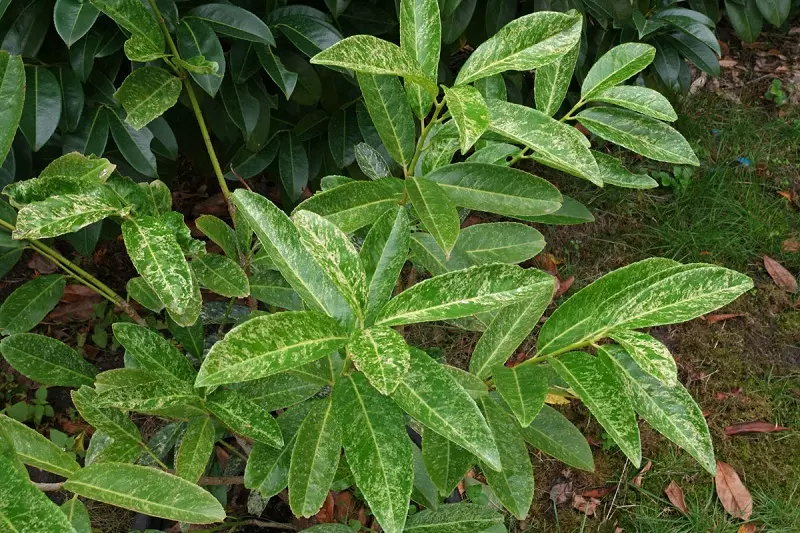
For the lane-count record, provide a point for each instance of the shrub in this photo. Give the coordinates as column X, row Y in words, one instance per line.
column 334, row 366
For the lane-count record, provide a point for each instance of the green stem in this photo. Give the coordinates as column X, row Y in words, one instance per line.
column 225, row 317
column 233, row 450
column 523, row 154
column 569, row 116
column 426, row 129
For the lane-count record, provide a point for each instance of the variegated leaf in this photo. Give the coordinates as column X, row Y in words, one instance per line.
column 112, row 421
column 147, row 41
column 469, row 112
column 455, row 518
column 446, row 462
column 382, row 354
column 612, row 172
column 371, row 162
column 153, row 352
column 436, row 211
column 616, row 66
column 146, row 94
column 221, row 274
column 195, row 449
column 36, row 450
column 649, row 354
column 556, row 436
column 144, row 391
column 420, row 38
column 24, row 308
column 523, row 387
column 244, row 416
column 640, row 99
column 47, row 361
column 391, row 114
column 552, row 81
column 499, row 242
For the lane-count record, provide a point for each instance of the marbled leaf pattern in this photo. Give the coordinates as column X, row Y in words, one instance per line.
column 420, row 38
column 221, row 274
column 469, row 112
column 445, row 461
column 195, row 449
column 613, row 173
column 146, row 94
column 391, row 114
column 556, row 436
column 650, row 354
column 552, row 81
column 640, row 99
column 245, row 416
column 436, row 211
column 454, row 518
column 523, row 387
column 382, row 354
column 616, row 66
column 36, row 450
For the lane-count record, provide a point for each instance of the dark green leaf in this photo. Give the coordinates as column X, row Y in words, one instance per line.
column 235, row 22
column 24, row 308
column 47, row 361
column 42, row 109
column 556, row 436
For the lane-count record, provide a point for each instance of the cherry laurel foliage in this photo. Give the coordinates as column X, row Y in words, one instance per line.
column 322, row 382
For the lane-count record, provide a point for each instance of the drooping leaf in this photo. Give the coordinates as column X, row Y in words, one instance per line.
column 286, row 80
column 445, row 461
column 556, row 436
column 616, row 66
column 469, row 112
column 235, row 22
column 343, row 136
column 612, row 171
column 198, row 39
column 146, row 94
column 221, row 275
column 775, row 11
column 571, row 212
column 73, row 19
column 526, row 43
column 310, row 35
column 112, row 421
column 552, row 81
column 523, row 387
column 42, row 109
column 420, row 38
column 650, row 355
column 47, row 360
column 436, row 211
column 640, row 99
column 24, row 308
column 454, row 518
column 12, row 92
column 148, row 491
column 391, row 114
column 153, row 352
column 195, row 449
column 91, row 135
column 36, row 450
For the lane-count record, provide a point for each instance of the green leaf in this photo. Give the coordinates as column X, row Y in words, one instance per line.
column 220, row 233
column 343, row 135
column 552, row 82
column 746, row 19
column 649, row 354
column 146, row 42
column 270, row 344
column 612, row 172
column 24, row 508
column 24, row 308
column 616, row 66
column 700, row 54
column 91, row 135
column 669, row 409
column 377, row 449
column 78, row 515
column 73, row 19
column 152, row 352
column 371, row 162
column 281, row 240
column 652, row 292
column 456, row 16
column 112, row 421
column 436, row 211
column 143, row 390
column 337, row 6
column 513, row 485
column 526, row 43
column 556, row 144
column 523, row 387
column 496, row 189
column 67, row 213
column 158, row 258
column 148, row 491
column 242, row 107
column 42, row 109
column 474, row 386
column 775, row 11
column 571, row 212
column 221, row 275
column 556, row 436
column 391, row 114
column 469, row 112
column 235, row 22
column 195, row 449
column 492, row 87
column 72, row 98
column 47, row 361
column 643, row 135
column 268, row 286
column 640, row 99
column 315, row 457
column 198, row 39
column 36, row 450
column 382, row 354
column 12, row 92
column 431, row 395
column 496, row 153
column 454, row 518
column 356, row 204
column 140, row 291
column 134, row 145
column 463, row 293
column 293, row 166
column 599, row 388
column 695, row 30
column 499, row 242
column 368, row 54
column 283, row 390
column 146, row 94
column 383, row 255
column 445, row 461
column 310, row 35
column 245, row 416
column 420, row 38
column 286, row 80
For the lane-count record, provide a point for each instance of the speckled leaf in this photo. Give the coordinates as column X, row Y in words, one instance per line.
column 69, row 174
column 142, row 390
column 371, row 162
column 12, row 92
column 513, row 485
column 640, row 99
column 146, row 94
column 495, row 153
column 492, row 87
column 496, row 189
column 245, row 416
column 198, row 39
column 669, row 409
column 281, row 240
column 650, row 355
column 441, row 147
column 556, row 436
column 146, row 42
column 616, row 66
column 315, row 458
column 157, row 256
column 474, row 386
column 24, row 308
column 612, row 172
column 552, row 82
column 356, row 204
column 140, row 291
column 563, row 147
column 286, row 80
column 648, row 293
column 600, row 390
column 36, row 450
column 420, row 38
column 382, row 354
column 47, row 361
column 454, row 518
column 469, row 112
column 195, row 449
column 270, row 287
column 464, row 293
column 112, row 421
column 148, row 491
column 104, row 449
column 78, row 515
column 280, row 390
column 644, row 135
column 153, row 352
column 526, row 43
column 42, row 108
column 383, row 255
column 499, row 242
column 134, row 145
column 235, row 22
column 436, row 211
column 445, row 461
column 337, row 256
column 377, row 449
column 220, row 233
column 431, row 395
column 523, row 387
column 424, row 492
column 365, row 53
column 26, row 509
column 73, row 19
column 66, row 213
column 391, row 114
column 270, row 344
column 221, row 275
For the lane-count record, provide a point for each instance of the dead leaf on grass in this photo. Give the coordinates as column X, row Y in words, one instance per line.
column 599, row 492
column 588, row 507
column 75, row 292
column 637, row 481
column 559, row 493
column 757, row 426
column 325, row 514
column 782, row 277
column 748, row 528
column 68, row 313
column 790, row 245
column 713, row 319
column 732, row 493
column 675, row 494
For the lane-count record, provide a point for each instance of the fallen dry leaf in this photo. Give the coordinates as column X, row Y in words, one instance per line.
column 598, row 493
column 728, row 63
column 563, row 286
column 713, row 319
column 790, row 245
column 325, row 514
column 757, row 426
column 42, row 265
column 75, row 292
column 675, row 494
column 588, row 507
column 554, row 399
column 782, row 277
column 68, row 313
column 560, row 492
column 637, row 481
column 748, row 528
column 732, row 493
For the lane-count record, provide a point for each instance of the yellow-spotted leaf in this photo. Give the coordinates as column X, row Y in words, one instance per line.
column 469, row 112
column 650, row 354
column 382, row 354
column 436, row 211
column 245, row 416
column 616, row 66
column 640, row 99
column 421, row 38
column 36, row 450
column 195, row 449
column 47, row 361
column 146, row 94
column 445, row 461
column 556, row 436
column 613, row 173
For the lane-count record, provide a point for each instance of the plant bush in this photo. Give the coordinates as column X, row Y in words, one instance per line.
column 333, row 370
